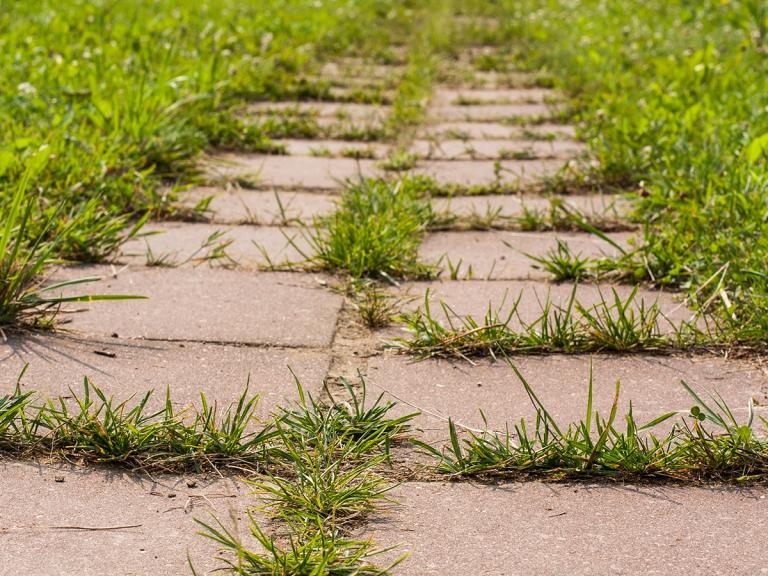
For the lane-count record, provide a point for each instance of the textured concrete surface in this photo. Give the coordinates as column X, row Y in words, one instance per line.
column 457, row 96
column 555, row 529
column 208, row 305
column 123, row 368
column 340, row 148
column 490, row 130
column 247, row 246
column 504, row 255
column 612, row 207
column 269, row 207
column 489, row 112
column 474, row 297
column 291, row 172
column 67, row 521
column 514, row 173
column 496, row 149
column 456, row 389
column 354, row 112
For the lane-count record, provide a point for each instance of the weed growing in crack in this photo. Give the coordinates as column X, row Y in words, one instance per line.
column 375, row 232
column 614, row 324
column 375, row 306
column 597, row 447
column 325, row 484
column 562, row 264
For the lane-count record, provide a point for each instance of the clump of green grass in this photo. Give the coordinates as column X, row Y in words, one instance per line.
column 399, row 161
column 375, row 232
column 327, row 483
column 614, row 324
column 309, row 556
column 375, row 306
column 562, row 264
column 95, row 428
column 596, row 447
column 24, row 298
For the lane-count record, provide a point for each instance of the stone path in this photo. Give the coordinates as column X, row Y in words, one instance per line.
column 209, row 324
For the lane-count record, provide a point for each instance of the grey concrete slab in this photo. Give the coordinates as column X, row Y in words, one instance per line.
column 289, row 172
column 58, row 363
column 556, row 529
column 443, row 389
column 79, row 522
column 491, row 130
column 207, row 305
column 488, row 112
column 190, row 245
column 504, row 254
column 496, row 149
column 266, row 207
column 514, row 173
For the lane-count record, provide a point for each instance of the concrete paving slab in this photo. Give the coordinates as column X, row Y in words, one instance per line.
column 555, row 529
column 468, row 173
column 334, row 148
column 58, row 363
column 503, row 254
column 289, row 172
column 473, row 298
column 335, row 110
column 358, row 68
column 266, row 207
column 444, row 389
column 462, row 96
column 610, row 206
column 208, row 305
column 496, row 149
column 495, row 130
column 488, row 112
column 67, row 521
column 189, row 245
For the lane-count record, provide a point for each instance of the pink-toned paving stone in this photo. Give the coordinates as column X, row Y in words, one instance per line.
column 208, row 305
column 336, row 148
column 71, row 521
column 474, row 298
column 576, row 529
column 125, row 369
column 496, row 149
column 495, row 130
column 190, row 245
column 486, row 172
column 289, row 172
column 488, row 112
column 456, row 389
column 356, row 68
column 336, row 110
column 505, row 255
column 459, row 96
column 266, row 207
column 607, row 206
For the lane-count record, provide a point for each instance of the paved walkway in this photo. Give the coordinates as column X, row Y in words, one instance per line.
column 207, row 327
